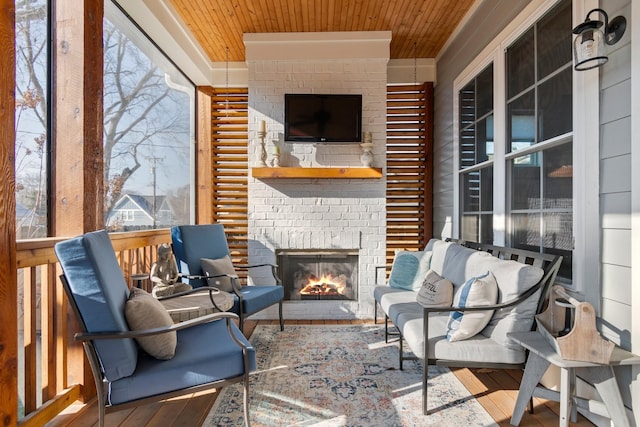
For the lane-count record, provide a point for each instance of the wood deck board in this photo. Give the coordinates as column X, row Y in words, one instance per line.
column 496, row 390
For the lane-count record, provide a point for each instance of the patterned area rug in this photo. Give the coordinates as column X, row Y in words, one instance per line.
column 342, row 375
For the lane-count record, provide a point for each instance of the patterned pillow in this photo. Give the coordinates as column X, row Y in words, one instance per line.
column 435, row 291
column 409, row 269
column 479, row 290
column 214, row 267
column 143, row 311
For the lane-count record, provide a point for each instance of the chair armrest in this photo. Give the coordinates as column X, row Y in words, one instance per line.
column 515, row 301
column 247, row 266
column 274, row 269
column 85, row 336
column 210, row 289
column 378, row 268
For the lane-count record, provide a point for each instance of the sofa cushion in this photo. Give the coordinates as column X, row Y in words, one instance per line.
column 477, row 291
column 394, row 303
column 450, row 260
column 435, row 291
column 214, row 267
column 143, row 311
column 409, row 269
column 513, row 279
column 411, row 323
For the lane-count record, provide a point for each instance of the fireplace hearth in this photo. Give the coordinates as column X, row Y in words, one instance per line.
column 318, row 274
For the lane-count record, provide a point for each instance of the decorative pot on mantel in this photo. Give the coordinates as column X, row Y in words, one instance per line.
column 366, row 158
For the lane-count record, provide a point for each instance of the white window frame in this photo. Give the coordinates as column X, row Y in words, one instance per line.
column 585, row 135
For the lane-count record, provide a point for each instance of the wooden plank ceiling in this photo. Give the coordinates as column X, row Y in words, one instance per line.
column 419, row 28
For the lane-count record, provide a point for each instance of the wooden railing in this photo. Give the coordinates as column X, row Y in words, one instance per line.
column 52, row 372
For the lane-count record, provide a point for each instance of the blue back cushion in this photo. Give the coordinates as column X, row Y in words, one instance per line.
column 192, row 242
column 99, row 291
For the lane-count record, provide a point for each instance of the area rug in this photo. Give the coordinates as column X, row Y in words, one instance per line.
column 342, row 375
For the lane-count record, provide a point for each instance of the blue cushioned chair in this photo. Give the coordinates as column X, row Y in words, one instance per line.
column 191, row 243
column 211, row 351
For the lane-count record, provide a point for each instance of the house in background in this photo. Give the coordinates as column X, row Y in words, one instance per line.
column 137, row 212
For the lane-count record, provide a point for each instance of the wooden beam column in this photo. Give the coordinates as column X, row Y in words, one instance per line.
column 77, row 147
column 78, row 124
column 8, row 272
column 204, row 168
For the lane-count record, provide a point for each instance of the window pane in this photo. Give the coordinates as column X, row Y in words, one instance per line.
column 484, row 89
column 477, row 228
column 477, row 205
column 558, row 239
column 470, row 227
column 553, row 40
column 31, row 144
column 520, row 64
column 525, row 182
column 149, row 121
column 486, row 189
column 476, row 120
column 486, row 228
column 525, row 231
column 558, row 177
column 555, row 106
column 471, row 191
column 467, row 101
column 521, row 122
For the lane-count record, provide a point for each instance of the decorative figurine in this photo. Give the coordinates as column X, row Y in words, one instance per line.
column 164, row 274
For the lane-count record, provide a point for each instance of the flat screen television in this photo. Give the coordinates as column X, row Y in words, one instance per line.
column 322, row 118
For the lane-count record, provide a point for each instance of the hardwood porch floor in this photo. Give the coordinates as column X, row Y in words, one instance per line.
column 496, row 390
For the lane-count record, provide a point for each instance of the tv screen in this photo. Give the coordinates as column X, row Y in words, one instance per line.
column 322, row 118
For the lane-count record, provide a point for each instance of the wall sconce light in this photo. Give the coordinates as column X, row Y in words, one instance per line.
column 589, row 47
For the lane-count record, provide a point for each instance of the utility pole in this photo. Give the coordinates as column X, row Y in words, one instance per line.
column 154, row 161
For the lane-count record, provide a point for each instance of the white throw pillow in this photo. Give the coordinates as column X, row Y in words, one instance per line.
column 436, row 291
column 477, row 291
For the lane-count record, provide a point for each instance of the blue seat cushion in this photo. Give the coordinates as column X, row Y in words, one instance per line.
column 256, row 298
column 204, row 353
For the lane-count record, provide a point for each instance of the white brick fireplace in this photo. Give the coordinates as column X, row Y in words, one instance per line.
column 318, row 214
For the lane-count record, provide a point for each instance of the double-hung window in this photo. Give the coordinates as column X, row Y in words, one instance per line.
column 515, row 158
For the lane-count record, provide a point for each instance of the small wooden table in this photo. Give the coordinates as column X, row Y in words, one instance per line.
column 542, row 354
column 197, row 304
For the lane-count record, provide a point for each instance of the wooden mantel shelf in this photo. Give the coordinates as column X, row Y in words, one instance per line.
column 317, row 173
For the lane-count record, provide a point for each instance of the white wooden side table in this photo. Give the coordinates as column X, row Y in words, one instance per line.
column 542, row 354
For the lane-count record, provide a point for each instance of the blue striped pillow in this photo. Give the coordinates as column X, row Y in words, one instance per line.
column 477, row 291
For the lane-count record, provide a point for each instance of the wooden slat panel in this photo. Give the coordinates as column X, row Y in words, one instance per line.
column 230, row 165
column 408, row 150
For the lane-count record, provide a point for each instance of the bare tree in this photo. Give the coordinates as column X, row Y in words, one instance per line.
column 140, row 114
column 31, row 113
column 135, row 113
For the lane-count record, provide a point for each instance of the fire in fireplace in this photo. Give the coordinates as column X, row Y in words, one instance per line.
column 318, row 274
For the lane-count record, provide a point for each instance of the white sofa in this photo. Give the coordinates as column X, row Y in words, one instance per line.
column 523, row 278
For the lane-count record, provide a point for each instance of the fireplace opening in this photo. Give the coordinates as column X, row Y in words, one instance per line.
column 318, row 274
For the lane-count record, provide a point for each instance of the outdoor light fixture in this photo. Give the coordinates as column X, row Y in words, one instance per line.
column 589, row 47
